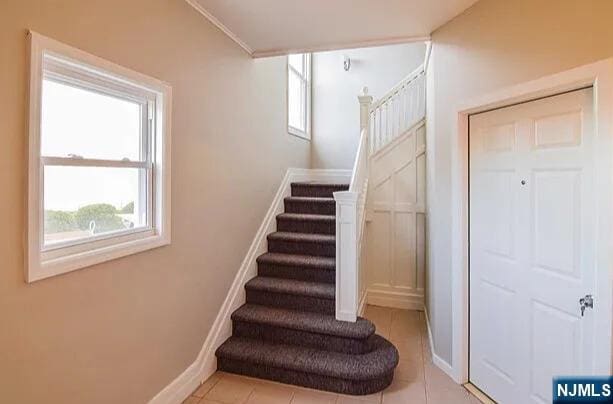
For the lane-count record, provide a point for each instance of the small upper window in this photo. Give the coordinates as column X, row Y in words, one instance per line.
column 99, row 146
column 299, row 95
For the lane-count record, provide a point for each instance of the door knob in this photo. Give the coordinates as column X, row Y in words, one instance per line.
column 585, row 302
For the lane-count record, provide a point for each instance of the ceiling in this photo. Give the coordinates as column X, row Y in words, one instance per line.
column 274, row 27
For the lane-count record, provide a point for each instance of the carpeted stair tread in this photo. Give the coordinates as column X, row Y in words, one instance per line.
column 319, row 184
column 300, row 242
column 297, row 266
column 310, row 199
column 291, row 287
column 306, row 223
column 309, row 204
column 317, row 189
column 307, row 217
column 376, row 364
column 297, row 260
column 302, row 237
column 304, row 321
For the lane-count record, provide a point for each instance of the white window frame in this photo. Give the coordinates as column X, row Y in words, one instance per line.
column 62, row 63
column 305, row 80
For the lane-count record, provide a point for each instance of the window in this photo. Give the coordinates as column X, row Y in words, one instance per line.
column 299, row 95
column 99, row 160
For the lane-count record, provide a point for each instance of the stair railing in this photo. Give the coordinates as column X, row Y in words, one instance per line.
column 380, row 123
column 397, row 111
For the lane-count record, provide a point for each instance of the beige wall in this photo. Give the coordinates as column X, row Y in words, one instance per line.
column 336, row 111
column 121, row 331
column 495, row 43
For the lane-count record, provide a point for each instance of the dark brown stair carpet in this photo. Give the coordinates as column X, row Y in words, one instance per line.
column 291, row 293
column 307, row 204
column 287, row 330
column 306, row 223
column 302, row 267
column 302, row 243
column 304, row 321
column 317, row 189
column 353, row 374
column 313, row 330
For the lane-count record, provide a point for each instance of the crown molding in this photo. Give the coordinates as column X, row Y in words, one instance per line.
column 198, row 7
column 341, row 46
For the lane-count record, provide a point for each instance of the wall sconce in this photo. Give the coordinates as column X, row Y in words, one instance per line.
column 346, row 63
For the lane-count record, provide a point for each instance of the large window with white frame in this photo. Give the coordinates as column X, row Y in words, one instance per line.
column 99, row 160
column 299, row 95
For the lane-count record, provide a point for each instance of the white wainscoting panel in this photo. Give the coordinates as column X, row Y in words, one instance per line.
column 396, row 237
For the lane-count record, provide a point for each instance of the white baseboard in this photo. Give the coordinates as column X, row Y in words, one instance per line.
column 397, row 299
column 437, row 360
column 206, row 363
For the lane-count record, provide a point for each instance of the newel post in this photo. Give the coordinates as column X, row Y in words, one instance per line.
column 346, row 256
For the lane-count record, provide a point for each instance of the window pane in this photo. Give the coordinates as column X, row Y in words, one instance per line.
column 295, row 102
column 81, row 202
column 88, row 124
column 296, row 61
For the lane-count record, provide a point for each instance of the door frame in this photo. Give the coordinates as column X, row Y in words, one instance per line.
column 600, row 76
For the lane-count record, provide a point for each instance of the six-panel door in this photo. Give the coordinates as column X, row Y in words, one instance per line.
column 532, row 245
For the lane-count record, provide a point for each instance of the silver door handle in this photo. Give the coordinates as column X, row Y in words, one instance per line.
column 587, row 301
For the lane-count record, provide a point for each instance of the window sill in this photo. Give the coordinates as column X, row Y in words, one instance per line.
column 299, row 133
column 39, row 268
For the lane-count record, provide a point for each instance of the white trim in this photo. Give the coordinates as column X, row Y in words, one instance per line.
column 308, row 83
column 427, row 55
column 80, row 162
column 206, row 363
column 437, row 360
column 339, row 46
column 397, row 299
column 198, row 7
column 600, row 75
column 43, row 264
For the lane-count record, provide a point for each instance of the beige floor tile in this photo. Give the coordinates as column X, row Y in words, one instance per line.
column 352, row 400
column 230, row 390
column 404, row 392
column 410, row 349
column 207, row 385
column 441, row 389
column 271, row 393
column 367, row 399
column 442, row 396
column 381, row 317
column 405, row 324
column 303, row 396
column 411, row 371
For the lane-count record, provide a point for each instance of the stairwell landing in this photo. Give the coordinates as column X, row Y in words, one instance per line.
column 287, row 331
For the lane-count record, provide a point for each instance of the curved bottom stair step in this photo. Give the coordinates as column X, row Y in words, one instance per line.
column 331, row 371
column 313, row 330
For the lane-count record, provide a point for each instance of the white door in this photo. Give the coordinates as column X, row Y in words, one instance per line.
column 533, row 234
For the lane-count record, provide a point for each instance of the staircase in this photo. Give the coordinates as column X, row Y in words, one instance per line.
column 287, row 330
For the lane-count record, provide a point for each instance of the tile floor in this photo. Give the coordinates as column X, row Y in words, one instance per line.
column 416, row 381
